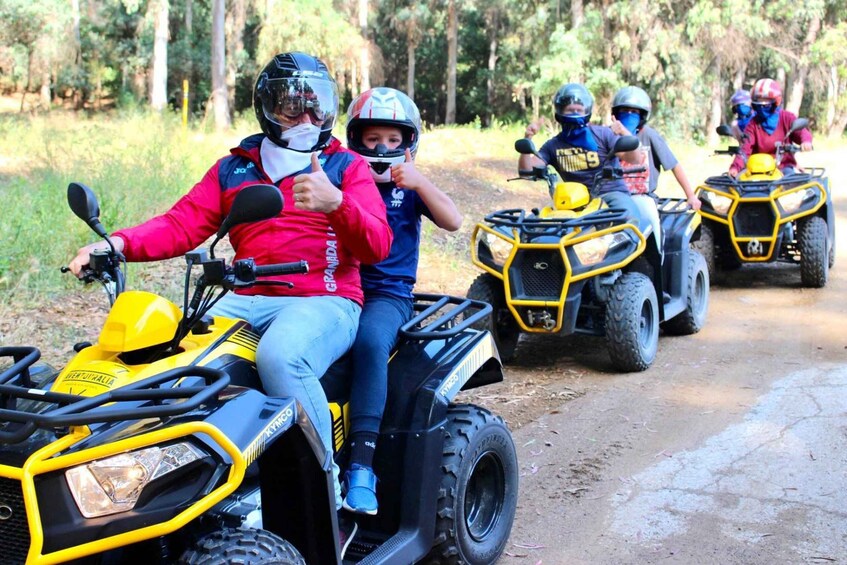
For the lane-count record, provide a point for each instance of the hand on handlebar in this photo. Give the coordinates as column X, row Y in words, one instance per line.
column 806, row 146
column 83, row 255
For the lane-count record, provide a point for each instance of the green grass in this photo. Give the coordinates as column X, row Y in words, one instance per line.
column 136, row 165
column 139, row 163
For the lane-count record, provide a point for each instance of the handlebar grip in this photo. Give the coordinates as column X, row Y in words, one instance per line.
column 294, row 268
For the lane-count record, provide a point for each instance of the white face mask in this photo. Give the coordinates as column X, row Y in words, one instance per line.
column 302, row 137
column 280, row 162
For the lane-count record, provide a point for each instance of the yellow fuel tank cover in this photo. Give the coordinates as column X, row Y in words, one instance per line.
column 570, row 196
column 137, row 320
column 760, row 164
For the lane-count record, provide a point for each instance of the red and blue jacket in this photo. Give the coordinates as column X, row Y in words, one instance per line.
column 333, row 244
column 757, row 140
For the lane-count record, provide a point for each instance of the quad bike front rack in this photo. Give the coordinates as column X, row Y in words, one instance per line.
column 147, row 398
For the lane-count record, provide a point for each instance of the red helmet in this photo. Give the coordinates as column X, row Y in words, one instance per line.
column 766, row 91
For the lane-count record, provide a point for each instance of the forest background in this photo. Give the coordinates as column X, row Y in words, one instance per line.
column 462, row 61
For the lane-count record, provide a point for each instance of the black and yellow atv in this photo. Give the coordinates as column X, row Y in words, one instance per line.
column 578, row 266
column 157, row 445
column 764, row 216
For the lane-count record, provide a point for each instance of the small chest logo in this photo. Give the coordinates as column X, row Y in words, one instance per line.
column 243, row 170
column 397, row 198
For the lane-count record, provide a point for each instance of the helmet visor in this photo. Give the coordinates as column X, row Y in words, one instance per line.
column 286, row 100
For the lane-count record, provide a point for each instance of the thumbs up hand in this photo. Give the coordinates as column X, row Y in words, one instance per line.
column 314, row 192
column 405, row 174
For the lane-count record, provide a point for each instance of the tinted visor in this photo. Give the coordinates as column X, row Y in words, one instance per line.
column 285, row 100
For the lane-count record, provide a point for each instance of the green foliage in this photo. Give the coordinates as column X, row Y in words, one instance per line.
column 138, row 164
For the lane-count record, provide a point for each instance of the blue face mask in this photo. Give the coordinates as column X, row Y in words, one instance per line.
column 743, row 111
column 575, row 132
column 768, row 116
column 630, row 120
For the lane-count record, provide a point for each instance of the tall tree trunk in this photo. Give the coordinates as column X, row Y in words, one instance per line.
column 188, row 71
column 493, row 34
column 219, row 94
column 159, row 72
column 365, row 53
column 831, row 95
column 577, row 13
column 607, row 35
column 452, row 60
column 798, row 84
column 28, row 73
column 738, row 79
column 236, row 19
column 411, row 47
column 713, row 119
column 836, row 119
column 46, row 99
column 77, row 50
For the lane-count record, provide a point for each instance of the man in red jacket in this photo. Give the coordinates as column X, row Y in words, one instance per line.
column 333, row 217
column 768, row 127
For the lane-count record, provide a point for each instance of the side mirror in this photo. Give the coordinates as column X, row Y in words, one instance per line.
column 84, row 204
column 798, row 124
column 724, row 130
column 252, row 204
column 525, row 146
column 626, row 143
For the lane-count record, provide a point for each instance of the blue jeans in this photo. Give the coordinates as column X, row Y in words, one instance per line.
column 301, row 337
column 381, row 317
column 623, row 200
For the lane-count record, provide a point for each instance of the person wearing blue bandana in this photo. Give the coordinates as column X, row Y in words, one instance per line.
column 742, row 110
column 631, row 108
column 581, row 149
column 770, row 126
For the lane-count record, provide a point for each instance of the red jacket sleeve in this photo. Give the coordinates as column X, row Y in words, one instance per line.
column 188, row 223
column 360, row 221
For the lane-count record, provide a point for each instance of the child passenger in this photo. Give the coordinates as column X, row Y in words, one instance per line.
column 384, row 126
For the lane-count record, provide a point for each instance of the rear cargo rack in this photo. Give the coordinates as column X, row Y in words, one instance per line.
column 439, row 316
column 75, row 410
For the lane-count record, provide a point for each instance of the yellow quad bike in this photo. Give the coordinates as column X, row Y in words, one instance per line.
column 764, row 216
column 578, row 266
column 157, row 444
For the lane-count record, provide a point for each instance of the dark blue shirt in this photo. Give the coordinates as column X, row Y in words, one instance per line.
column 575, row 164
column 396, row 275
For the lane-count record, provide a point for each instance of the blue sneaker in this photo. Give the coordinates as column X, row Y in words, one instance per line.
column 361, row 490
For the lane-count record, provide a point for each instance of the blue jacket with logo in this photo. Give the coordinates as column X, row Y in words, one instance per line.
column 396, row 275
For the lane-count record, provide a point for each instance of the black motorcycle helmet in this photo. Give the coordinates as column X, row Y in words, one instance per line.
column 288, row 86
column 572, row 93
column 633, row 97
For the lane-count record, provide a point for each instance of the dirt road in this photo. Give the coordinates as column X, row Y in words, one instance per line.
column 730, row 449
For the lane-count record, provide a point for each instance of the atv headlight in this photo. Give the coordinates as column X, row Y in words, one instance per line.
column 112, row 485
column 592, row 251
column 718, row 202
column 790, row 203
column 499, row 249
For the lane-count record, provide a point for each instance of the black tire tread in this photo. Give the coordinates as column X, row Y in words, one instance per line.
column 623, row 320
column 706, row 245
column 487, row 288
column 687, row 322
column 463, row 421
column 814, row 258
column 241, row 546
